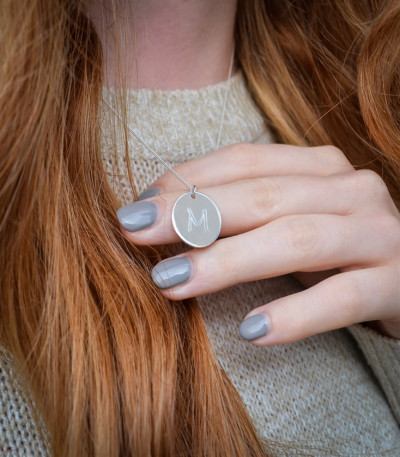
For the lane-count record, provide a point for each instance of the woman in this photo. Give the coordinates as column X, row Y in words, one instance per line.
column 104, row 361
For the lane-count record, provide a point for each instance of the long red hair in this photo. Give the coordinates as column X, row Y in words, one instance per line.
column 114, row 368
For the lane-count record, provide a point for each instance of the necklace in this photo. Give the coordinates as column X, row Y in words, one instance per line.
column 195, row 216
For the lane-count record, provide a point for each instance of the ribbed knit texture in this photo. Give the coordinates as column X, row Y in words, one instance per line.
column 19, row 433
column 320, row 394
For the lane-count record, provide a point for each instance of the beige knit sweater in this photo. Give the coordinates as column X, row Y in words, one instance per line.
column 336, row 394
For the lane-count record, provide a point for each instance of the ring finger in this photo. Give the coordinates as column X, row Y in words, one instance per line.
column 288, row 244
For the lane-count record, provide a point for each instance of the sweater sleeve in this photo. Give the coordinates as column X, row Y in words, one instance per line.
column 19, row 433
column 383, row 356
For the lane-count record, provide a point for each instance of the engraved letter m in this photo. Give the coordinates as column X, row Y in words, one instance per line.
column 193, row 221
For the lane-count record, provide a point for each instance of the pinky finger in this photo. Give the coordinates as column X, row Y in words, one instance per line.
column 339, row 301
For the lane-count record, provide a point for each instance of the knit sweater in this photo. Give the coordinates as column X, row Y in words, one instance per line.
column 334, row 394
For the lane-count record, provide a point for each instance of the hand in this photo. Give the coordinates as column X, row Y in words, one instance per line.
column 287, row 209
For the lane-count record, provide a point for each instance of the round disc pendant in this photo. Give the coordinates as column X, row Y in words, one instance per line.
column 196, row 219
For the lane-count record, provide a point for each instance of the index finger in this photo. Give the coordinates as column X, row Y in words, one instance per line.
column 248, row 161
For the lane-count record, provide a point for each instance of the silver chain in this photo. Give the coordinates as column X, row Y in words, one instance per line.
column 159, row 158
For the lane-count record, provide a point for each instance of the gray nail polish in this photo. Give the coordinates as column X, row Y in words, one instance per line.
column 171, row 272
column 138, row 215
column 254, row 327
column 148, row 193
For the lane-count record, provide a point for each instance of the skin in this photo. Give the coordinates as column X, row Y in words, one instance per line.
column 165, row 44
column 307, row 210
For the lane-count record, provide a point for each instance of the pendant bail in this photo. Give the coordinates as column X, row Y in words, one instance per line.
column 193, row 191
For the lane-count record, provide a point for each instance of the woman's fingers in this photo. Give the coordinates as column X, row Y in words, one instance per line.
column 250, row 161
column 249, row 204
column 288, row 244
column 339, row 301
column 284, row 209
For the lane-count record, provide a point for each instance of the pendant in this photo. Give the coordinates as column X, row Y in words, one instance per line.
column 196, row 219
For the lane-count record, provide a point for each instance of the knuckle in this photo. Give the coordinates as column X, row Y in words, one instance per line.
column 370, row 182
column 264, row 196
column 333, row 156
column 228, row 266
column 244, row 155
column 302, row 236
column 389, row 227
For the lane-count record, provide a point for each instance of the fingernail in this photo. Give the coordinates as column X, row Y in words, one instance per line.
column 171, row 272
column 138, row 215
column 148, row 193
column 254, row 327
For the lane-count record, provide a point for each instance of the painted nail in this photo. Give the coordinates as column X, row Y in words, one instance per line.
column 171, row 272
column 254, row 327
column 148, row 193
column 138, row 215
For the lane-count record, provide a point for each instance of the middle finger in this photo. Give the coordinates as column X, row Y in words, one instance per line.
column 248, row 204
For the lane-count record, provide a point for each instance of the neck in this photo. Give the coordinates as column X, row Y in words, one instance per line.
column 165, row 44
